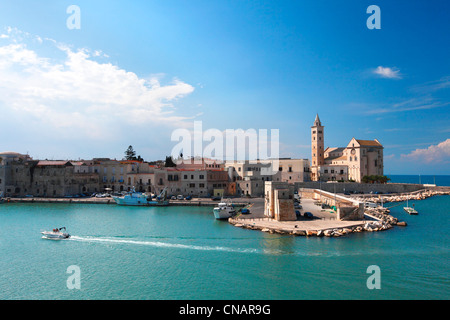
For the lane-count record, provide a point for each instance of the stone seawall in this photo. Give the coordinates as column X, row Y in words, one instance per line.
column 418, row 195
column 192, row 203
column 328, row 228
column 341, row 187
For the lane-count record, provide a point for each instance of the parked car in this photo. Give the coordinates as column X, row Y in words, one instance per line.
column 173, row 198
column 245, row 211
column 188, row 198
column 308, row 215
column 180, row 197
column 216, row 198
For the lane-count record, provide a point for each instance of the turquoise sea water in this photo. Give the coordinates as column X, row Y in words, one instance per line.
column 183, row 253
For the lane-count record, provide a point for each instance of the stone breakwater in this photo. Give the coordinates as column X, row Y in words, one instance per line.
column 380, row 220
column 418, row 195
column 369, row 226
column 383, row 216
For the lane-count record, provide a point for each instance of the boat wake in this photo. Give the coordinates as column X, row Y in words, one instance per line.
column 161, row 244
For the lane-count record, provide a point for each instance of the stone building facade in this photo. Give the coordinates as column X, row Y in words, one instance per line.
column 351, row 163
column 250, row 176
column 279, row 204
column 22, row 176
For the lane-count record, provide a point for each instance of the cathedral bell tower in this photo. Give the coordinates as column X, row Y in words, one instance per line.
column 317, row 148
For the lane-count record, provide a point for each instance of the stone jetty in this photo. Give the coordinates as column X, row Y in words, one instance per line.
column 417, row 195
column 370, row 226
column 375, row 219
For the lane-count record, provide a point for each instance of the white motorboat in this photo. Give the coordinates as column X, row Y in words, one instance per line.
column 142, row 199
column 56, row 234
column 224, row 210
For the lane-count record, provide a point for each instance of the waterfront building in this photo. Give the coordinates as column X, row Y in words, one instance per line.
column 24, row 176
column 123, row 175
column 7, row 167
column 350, row 163
column 251, row 175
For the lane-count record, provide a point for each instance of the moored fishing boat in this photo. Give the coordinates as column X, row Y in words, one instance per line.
column 224, row 210
column 134, row 198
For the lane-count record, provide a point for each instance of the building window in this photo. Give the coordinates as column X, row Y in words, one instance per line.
column 202, row 177
column 185, row 177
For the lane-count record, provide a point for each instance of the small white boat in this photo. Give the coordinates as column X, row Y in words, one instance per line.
column 56, row 234
column 224, row 210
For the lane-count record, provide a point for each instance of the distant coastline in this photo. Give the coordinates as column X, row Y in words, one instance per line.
column 439, row 180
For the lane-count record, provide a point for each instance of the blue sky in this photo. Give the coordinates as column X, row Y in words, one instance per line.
column 137, row 70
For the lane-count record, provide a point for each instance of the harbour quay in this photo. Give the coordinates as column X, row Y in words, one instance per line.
column 322, row 222
column 194, row 202
column 314, row 213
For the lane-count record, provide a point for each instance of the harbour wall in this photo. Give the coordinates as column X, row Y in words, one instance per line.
column 192, row 203
column 341, row 187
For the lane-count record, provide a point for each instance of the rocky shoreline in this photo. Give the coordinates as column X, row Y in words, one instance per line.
column 372, row 226
column 419, row 195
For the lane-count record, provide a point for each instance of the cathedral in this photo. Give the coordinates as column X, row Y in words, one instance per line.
column 350, row 163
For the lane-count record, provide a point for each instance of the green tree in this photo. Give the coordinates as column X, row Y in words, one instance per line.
column 130, row 154
column 169, row 162
column 375, row 179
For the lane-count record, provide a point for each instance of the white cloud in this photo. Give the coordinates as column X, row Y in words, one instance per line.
column 439, row 153
column 386, row 72
column 432, row 86
column 413, row 104
column 72, row 92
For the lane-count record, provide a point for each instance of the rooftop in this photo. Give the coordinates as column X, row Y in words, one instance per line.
column 369, row 143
